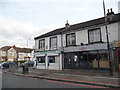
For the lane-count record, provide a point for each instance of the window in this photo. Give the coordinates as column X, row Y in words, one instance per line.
column 3, row 53
column 41, row 59
column 21, row 54
column 51, row 59
column 11, row 53
column 53, row 42
column 42, row 44
column 94, row 35
column 70, row 39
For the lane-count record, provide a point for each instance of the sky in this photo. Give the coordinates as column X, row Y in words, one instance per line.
column 23, row 20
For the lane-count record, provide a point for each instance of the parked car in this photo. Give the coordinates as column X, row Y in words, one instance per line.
column 6, row 64
column 27, row 63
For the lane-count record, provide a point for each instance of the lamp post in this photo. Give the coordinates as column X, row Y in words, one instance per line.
column 108, row 45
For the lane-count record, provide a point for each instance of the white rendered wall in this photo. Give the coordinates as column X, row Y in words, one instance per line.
column 81, row 37
column 113, row 32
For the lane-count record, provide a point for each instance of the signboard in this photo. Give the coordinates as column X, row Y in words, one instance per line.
column 86, row 47
column 43, row 53
column 116, row 43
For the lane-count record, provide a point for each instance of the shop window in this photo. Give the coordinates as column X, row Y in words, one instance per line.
column 94, row 35
column 92, row 56
column 41, row 59
column 70, row 39
column 103, row 55
column 42, row 44
column 53, row 42
column 51, row 59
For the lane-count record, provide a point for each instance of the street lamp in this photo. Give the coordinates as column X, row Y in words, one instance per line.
column 108, row 45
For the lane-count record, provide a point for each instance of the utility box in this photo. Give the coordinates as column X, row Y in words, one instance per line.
column 25, row 69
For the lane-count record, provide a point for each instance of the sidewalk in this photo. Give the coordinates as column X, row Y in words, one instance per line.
column 100, row 78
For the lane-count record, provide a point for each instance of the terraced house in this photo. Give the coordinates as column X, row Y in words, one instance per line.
column 13, row 53
column 80, row 46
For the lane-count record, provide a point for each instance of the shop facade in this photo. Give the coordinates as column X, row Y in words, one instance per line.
column 78, row 46
column 48, row 60
column 87, row 57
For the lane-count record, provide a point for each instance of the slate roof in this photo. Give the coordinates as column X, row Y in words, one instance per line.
column 98, row 21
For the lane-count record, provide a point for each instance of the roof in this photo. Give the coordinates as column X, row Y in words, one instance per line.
column 25, row 50
column 5, row 48
column 94, row 22
column 17, row 49
column 51, row 33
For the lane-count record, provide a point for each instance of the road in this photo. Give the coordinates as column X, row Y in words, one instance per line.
column 11, row 81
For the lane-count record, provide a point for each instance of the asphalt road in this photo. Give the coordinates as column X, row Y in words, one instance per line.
column 11, row 81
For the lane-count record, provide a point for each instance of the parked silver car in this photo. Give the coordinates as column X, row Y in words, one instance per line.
column 6, row 64
column 27, row 63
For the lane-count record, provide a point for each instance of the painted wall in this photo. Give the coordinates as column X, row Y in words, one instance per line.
column 11, row 55
column 81, row 37
column 47, row 42
column 113, row 32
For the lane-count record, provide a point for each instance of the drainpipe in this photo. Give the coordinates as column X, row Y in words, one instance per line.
column 62, row 54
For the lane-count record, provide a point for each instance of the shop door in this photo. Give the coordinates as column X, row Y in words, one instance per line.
column 74, row 61
column 71, row 61
column 83, row 58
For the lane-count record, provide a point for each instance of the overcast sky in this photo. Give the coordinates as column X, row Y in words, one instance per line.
column 22, row 20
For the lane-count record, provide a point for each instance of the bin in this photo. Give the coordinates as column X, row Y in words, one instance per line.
column 25, row 69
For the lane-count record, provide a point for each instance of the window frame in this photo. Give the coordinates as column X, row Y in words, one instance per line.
column 70, row 39
column 42, row 44
column 52, row 61
column 100, row 38
column 55, row 37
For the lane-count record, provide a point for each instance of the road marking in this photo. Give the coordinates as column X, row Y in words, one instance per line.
column 83, row 85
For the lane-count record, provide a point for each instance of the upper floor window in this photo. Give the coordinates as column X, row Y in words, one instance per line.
column 94, row 35
column 53, row 42
column 21, row 54
column 42, row 44
column 11, row 53
column 3, row 53
column 70, row 39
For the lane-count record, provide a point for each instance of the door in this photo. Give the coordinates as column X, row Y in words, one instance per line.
column 71, row 61
column 83, row 59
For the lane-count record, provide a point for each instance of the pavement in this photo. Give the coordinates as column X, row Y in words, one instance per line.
column 91, row 77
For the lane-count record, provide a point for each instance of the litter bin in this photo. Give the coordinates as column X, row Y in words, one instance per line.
column 25, row 69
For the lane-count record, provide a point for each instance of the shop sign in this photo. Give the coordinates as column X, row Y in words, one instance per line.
column 47, row 52
column 86, row 47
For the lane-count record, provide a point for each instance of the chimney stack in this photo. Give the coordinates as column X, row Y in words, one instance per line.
column 67, row 24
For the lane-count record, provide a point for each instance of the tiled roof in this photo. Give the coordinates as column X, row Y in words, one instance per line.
column 98, row 21
column 5, row 48
column 17, row 49
column 25, row 50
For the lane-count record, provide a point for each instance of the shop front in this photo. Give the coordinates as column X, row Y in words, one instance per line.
column 48, row 60
column 87, row 57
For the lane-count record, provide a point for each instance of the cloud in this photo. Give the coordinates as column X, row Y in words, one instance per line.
column 13, row 32
column 59, row 1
